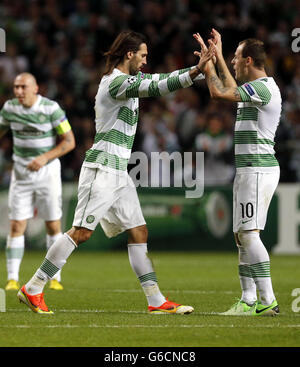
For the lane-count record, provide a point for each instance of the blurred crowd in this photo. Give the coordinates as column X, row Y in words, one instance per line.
column 62, row 44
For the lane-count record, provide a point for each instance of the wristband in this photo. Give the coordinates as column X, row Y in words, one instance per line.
column 197, row 67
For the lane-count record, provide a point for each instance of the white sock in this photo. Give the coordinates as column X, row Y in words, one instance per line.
column 55, row 259
column 49, row 242
column 142, row 266
column 259, row 262
column 14, row 254
column 247, row 282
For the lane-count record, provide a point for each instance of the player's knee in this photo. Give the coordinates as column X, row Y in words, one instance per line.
column 236, row 239
column 138, row 234
column 53, row 227
column 84, row 235
column 17, row 227
column 244, row 238
column 79, row 234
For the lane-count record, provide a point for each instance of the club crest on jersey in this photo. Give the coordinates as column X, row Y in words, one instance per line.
column 249, row 89
column 90, row 219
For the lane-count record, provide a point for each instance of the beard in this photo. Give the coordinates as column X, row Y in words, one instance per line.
column 133, row 70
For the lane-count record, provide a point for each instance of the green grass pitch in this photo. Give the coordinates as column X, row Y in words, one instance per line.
column 103, row 305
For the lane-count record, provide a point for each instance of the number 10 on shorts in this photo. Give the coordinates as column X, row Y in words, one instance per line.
column 247, row 210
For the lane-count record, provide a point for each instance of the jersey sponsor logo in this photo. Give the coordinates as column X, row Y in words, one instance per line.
column 250, row 90
column 30, row 132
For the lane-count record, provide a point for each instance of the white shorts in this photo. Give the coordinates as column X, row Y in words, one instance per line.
column 108, row 199
column 39, row 190
column 252, row 194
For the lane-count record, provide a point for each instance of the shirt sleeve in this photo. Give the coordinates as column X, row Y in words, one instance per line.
column 4, row 123
column 256, row 92
column 59, row 120
column 162, row 76
column 149, row 85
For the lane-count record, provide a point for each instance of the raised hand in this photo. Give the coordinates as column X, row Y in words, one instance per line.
column 204, row 48
column 199, row 39
column 216, row 39
column 205, row 55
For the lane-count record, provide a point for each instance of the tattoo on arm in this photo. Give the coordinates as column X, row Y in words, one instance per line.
column 237, row 94
column 222, row 75
column 65, row 143
column 215, row 84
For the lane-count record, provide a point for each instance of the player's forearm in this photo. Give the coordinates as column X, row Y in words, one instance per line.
column 63, row 147
column 214, row 83
column 195, row 72
column 224, row 73
column 153, row 85
column 217, row 89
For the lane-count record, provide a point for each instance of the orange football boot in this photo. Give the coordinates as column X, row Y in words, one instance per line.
column 36, row 303
column 170, row 307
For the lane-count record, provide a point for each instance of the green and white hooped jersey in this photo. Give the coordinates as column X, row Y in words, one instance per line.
column 257, row 119
column 34, row 129
column 116, row 108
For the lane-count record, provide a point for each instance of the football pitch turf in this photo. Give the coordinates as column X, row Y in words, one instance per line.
column 103, row 305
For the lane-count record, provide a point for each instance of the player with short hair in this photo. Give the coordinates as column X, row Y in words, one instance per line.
column 257, row 170
column 106, row 193
column 35, row 122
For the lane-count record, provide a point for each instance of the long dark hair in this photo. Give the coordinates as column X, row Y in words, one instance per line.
column 126, row 41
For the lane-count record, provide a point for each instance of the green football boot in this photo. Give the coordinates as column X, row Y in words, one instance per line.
column 240, row 308
column 264, row 310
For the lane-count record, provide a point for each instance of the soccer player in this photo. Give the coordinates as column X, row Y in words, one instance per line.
column 257, row 170
column 35, row 122
column 106, row 193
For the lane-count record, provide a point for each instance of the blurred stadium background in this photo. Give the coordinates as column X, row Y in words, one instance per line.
column 61, row 43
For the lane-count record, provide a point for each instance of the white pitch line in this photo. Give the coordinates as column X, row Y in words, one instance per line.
column 169, row 291
column 172, row 291
column 81, row 311
column 96, row 326
column 186, row 291
column 58, row 311
column 196, row 313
